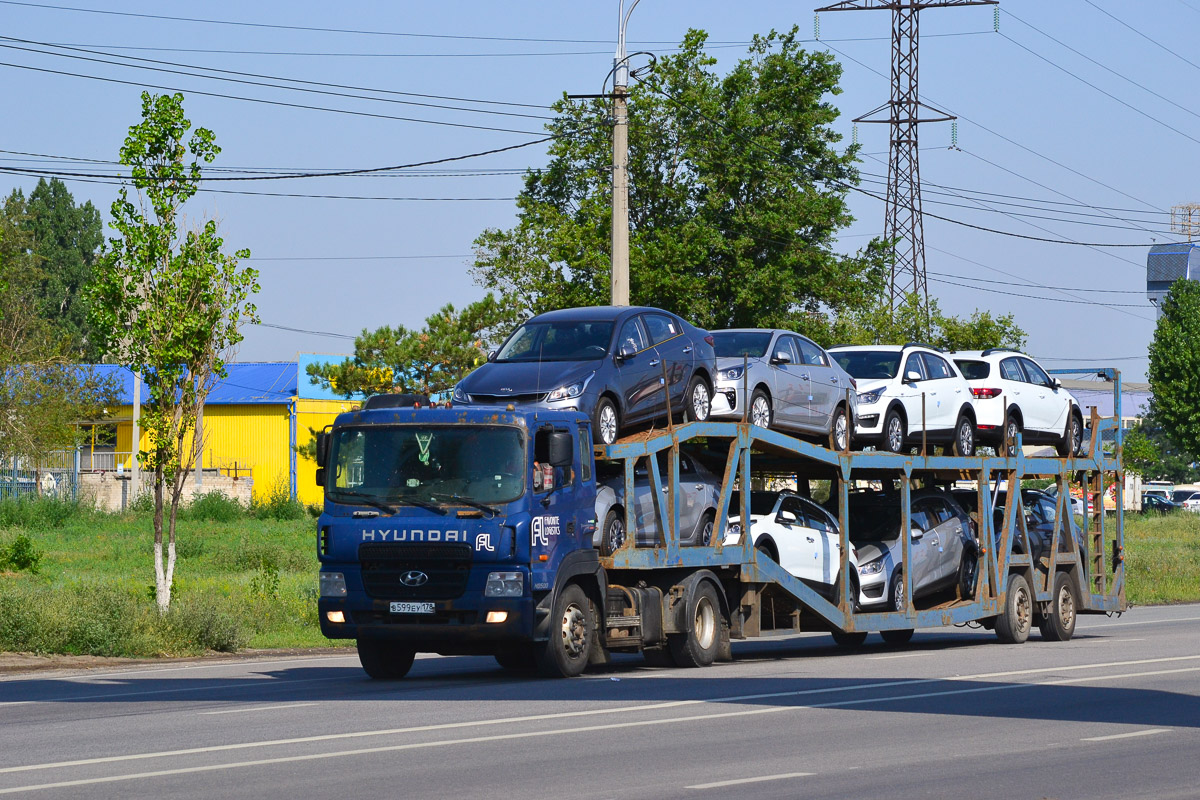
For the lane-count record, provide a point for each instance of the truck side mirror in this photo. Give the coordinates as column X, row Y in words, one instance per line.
column 320, row 476
column 562, row 449
column 322, row 449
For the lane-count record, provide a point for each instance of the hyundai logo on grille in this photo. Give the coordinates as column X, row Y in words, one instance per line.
column 414, row 578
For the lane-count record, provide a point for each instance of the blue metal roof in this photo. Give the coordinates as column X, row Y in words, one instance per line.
column 249, row 383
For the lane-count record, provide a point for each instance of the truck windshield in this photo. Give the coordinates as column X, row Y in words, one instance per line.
column 422, row 464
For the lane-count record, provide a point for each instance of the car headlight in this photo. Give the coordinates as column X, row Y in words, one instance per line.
column 570, row 390
column 733, row 373
column 333, row 584
column 734, row 529
column 872, row 568
column 870, row 397
column 504, row 584
column 460, row 396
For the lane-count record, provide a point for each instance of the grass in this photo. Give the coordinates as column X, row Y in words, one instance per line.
column 78, row 581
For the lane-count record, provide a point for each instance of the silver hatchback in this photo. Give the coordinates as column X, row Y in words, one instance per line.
column 788, row 381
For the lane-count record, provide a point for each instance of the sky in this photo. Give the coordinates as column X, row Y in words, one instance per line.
column 1077, row 122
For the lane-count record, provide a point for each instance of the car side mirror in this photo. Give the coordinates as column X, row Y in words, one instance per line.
column 1055, row 383
column 626, row 352
column 322, row 449
column 785, row 518
column 492, row 355
column 912, row 376
column 562, row 449
column 782, row 357
column 917, row 533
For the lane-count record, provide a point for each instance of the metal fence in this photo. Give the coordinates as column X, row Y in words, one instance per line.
column 56, row 474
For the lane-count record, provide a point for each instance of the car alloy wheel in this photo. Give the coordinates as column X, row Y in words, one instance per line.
column 840, row 430
column 701, row 402
column 895, row 434
column 1076, row 439
column 760, row 411
column 608, row 424
column 966, row 438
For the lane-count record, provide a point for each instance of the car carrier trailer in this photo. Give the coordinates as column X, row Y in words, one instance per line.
column 429, row 564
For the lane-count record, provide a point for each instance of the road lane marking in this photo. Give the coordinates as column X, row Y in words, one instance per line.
column 1147, row 732
column 531, row 734
column 901, row 655
column 773, row 709
column 258, row 708
column 758, row 779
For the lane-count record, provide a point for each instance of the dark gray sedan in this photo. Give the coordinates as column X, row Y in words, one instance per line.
column 610, row 362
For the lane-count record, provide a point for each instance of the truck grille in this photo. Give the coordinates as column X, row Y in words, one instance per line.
column 446, row 568
column 504, row 399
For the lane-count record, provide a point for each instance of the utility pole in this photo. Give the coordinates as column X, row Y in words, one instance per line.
column 902, row 220
column 620, row 180
column 135, row 470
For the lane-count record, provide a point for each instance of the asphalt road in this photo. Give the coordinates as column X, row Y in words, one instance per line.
column 1115, row 713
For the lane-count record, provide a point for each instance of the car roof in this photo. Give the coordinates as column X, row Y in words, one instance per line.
column 593, row 313
column 862, row 348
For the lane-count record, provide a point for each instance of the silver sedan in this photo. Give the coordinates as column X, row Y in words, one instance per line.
column 697, row 505
column 787, row 380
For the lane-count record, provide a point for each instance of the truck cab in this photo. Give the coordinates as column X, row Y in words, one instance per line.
column 459, row 531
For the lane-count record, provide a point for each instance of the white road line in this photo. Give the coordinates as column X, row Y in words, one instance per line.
column 901, row 655
column 758, row 779
column 1106, row 640
column 544, row 733
column 258, row 708
column 1148, row 732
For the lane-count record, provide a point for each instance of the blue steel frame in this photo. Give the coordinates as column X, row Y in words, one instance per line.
column 1098, row 591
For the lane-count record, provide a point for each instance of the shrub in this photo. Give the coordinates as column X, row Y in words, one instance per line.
column 214, row 507
column 278, row 505
column 20, row 554
column 40, row 513
column 202, row 624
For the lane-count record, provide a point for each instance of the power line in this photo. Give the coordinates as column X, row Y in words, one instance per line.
column 302, row 330
column 354, row 258
column 1149, row 39
column 1037, row 285
column 1040, row 297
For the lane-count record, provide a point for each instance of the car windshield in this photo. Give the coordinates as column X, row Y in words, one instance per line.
column 874, row 518
column 974, row 370
column 736, row 344
column 867, row 364
column 761, row 503
column 422, row 464
column 558, row 341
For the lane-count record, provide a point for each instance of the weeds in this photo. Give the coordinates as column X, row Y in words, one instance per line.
column 21, row 554
column 278, row 505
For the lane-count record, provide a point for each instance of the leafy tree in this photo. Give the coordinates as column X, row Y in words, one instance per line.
column 1174, row 371
column 64, row 240
column 878, row 324
column 168, row 301
column 736, row 195
column 426, row 361
column 1149, row 452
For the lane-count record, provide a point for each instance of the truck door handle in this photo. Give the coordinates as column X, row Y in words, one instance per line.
column 687, row 349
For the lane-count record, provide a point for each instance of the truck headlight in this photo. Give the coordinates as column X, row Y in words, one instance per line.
column 871, row 568
column 504, row 584
column 460, row 395
column 333, row 584
column 570, row 390
column 733, row 373
column 867, row 398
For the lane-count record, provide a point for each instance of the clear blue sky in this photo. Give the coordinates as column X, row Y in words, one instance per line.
column 1098, row 127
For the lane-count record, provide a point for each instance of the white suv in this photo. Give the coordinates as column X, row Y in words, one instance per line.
column 1012, row 394
column 901, row 388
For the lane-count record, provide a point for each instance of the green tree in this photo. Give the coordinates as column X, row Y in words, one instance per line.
column 64, row 240
column 1174, row 371
column 736, row 196
column 878, row 324
column 168, row 301
column 426, row 361
column 1149, row 452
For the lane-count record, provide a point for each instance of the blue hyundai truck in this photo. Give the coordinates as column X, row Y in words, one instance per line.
column 470, row 531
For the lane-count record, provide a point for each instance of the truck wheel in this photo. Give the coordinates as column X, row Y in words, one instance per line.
column 760, row 409
column 384, row 661
column 893, row 432
column 565, row 653
column 849, row 639
column 1058, row 623
column 1014, row 622
column 517, row 659
column 964, row 436
column 902, row 636
column 697, row 646
column 606, row 422
column 698, row 400
column 613, row 533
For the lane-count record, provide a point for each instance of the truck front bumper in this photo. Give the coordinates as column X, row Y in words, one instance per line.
column 454, row 628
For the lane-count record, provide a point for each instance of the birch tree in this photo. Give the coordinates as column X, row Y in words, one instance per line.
column 169, row 302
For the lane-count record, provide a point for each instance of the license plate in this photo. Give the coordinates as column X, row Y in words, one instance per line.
column 412, row 608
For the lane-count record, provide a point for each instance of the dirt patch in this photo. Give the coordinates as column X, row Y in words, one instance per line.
column 18, row 663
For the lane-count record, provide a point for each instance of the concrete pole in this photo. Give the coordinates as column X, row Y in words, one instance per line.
column 135, row 471
column 620, row 199
column 198, row 436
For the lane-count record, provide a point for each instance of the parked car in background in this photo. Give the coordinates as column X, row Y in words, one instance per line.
column 787, row 380
column 697, row 504
column 1192, row 503
column 1158, row 504
column 943, row 548
column 1041, row 513
column 1181, row 496
column 901, row 389
column 1012, row 394
column 607, row 361
column 799, row 535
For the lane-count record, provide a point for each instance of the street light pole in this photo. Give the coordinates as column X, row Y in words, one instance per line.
column 620, row 181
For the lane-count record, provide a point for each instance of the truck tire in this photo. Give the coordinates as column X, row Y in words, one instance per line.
column 697, row 646
column 1058, row 623
column 902, row 636
column 612, row 535
column 849, row 639
column 572, row 629
column 1016, row 618
column 384, row 661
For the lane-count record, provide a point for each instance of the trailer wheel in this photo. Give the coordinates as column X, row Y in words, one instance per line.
column 697, row 646
column 384, row 661
column 612, row 535
column 572, row 628
column 1015, row 620
column 902, row 636
column 1058, row 623
column 849, row 638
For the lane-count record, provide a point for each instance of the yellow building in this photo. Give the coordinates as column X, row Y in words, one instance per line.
column 251, row 424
